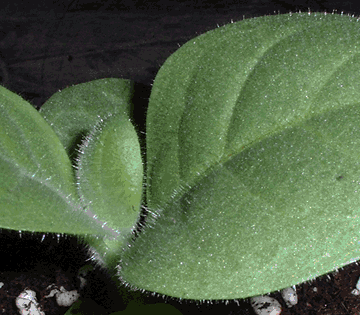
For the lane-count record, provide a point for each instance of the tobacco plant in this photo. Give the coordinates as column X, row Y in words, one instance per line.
column 251, row 177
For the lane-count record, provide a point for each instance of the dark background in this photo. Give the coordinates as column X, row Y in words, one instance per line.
column 49, row 45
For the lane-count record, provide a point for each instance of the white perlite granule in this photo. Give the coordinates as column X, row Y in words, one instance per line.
column 63, row 297
column 266, row 305
column 27, row 303
column 67, row 298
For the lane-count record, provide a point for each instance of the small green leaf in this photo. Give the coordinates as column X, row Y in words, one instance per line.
column 253, row 159
column 37, row 190
column 74, row 111
column 109, row 167
column 110, row 174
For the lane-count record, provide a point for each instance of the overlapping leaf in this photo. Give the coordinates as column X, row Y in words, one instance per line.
column 74, row 111
column 38, row 184
column 110, row 174
column 96, row 115
column 37, row 188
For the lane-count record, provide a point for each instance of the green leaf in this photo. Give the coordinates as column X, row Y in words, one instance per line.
column 110, row 174
column 37, row 190
column 74, row 111
column 109, row 166
column 253, row 159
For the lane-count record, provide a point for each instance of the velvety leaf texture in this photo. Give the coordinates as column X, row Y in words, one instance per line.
column 74, row 111
column 37, row 188
column 253, row 159
column 110, row 174
column 92, row 121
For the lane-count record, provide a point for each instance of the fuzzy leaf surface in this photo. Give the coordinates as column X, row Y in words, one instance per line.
column 110, row 174
column 37, row 187
column 253, row 146
column 74, row 111
column 94, row 117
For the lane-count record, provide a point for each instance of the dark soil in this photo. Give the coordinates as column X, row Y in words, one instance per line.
column 35, row 261
column 15, row 283
column 330, row 294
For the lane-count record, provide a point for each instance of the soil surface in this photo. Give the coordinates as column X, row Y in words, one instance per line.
column 43, row 262
column 15, row 283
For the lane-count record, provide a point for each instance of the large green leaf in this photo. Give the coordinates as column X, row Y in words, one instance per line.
column 253, row 146
column 37, row 189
